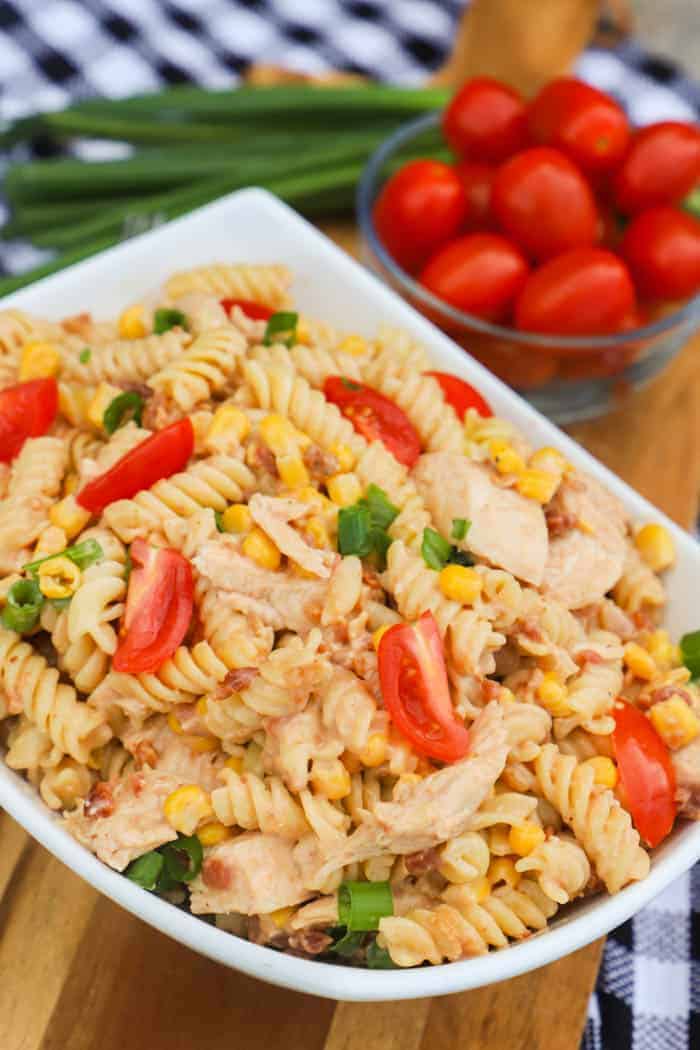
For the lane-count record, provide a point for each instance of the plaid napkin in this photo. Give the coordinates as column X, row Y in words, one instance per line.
column 53, row 51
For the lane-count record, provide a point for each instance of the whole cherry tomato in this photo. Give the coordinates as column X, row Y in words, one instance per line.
column 587, row 291
column 485, row 120
column 420, row 207
column 662, row 165
column 582, row 122
column 26, row 410
column 461, row 395
column 477, row 180
column 375, row 416
column 662, row 249
column 481, row 273
column 646, row 773
column 542, row 201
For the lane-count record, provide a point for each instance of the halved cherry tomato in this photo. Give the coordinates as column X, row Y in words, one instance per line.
column 256, row 311
column 461, row 395
column 646, row 773
column 160, row 455
column 481, row 273
column 662, row 165
column 26, row 410
column 414, row 685
column 485, row 120
column 582, row 122
column 419, row 208
column 477, row 180
column 376, row 417
column 587, row 291
column 543, row 202
column 159, row 605
column 662, row 249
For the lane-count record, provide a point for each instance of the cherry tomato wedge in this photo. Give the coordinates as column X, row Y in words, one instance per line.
column 376, row 417
column 662, row 249
column 485, row 120
column 159, row 604
column 256, row 311
column 662, row 165
column 477, row 180
column 414, row 685
column 481, row 273
column 586, row 124
column 646, row 773
column 26, row 410
column 461, row 395
column 160, row 455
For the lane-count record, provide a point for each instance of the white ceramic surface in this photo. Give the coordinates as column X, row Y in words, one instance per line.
column 253, row 226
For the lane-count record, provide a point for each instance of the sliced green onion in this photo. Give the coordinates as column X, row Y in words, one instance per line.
column 219, row 519
column 435, row 550
column 85, row 355
column 81, row 554
column 164, row 320
column 690, row 651
column 459, row 557
column 349, row 385
column 281, row 328
column 354, row 530
column 347, row 943
column 145, row 871
column 460, row 528
column 122, row 405
column 381, row 541
column 23, row 605
column 362, row 904
column 378, row 958
column 382, row 510
column 183, row 858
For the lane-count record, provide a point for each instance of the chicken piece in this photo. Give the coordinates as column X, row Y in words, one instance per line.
column 587, row 561
column 507, row 530
column 429, row 812
column 686, row 763
column 273, row 515
column 125, row 819
column 157, row 746
column 251, row 874
column 291, row 742
column 279, row 600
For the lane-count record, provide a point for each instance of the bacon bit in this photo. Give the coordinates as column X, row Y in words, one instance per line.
column 100, row 801
column 643, row 621
column 240, row 678
column 138, row 783
column 321, row 464
column 311, row 942
column 260, row 457
column 560, row 522
column 666, row 691
column 490, row 690
column 78, row 324
column 216, row 874
column 588, row 656
column 145, row 754
column 423, row 861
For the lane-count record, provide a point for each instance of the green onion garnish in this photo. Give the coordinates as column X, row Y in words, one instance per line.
column 85, row 355
column 378, row 958
column 435, row 550
column 123, row 405
column 347, row 943
column 362, row 904
column 460, row 528
column 690, row 651
column 219, row 519
column 459, row 557
column 81, row 554
column 145, row 871
column 23, row 605
column 281, row 328
column 183, row 858
column 165, row 319
column 354, row 530
column 383, row 512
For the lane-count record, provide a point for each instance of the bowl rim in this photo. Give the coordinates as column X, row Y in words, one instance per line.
column 365, row 197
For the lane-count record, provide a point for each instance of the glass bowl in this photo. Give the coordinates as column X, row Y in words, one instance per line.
column 568, row 378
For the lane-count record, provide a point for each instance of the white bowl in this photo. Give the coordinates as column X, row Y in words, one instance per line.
column 253, row 226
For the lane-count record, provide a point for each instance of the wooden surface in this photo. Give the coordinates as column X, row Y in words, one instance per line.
column 77, row 973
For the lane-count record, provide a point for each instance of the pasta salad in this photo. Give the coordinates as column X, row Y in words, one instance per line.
column 298, row 635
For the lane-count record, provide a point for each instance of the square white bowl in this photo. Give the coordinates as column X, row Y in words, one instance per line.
column 253, row 226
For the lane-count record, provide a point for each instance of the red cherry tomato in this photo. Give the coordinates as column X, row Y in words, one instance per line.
column 461, row 395
column 662, row 249
column 485, row 120
column 376, row 417
column 477, row 180
column 582, row 122
column 646, row 773
column 414, row 685
column 26, row 410
column 159, row 605
column 418, row 209
column 662, row 165
column 587, row 291
column 256, row 311
column 160, row 455
column 481, row 273
column 542, row 201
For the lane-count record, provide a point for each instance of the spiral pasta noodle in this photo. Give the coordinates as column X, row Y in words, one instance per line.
column 203, row 369
column 126, row 360
column 560, row 866
column 266, row 284
column 258, row 803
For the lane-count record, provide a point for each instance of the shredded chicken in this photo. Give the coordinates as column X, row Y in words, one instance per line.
column 156, row 745
column 251, row 874
column 273, row 514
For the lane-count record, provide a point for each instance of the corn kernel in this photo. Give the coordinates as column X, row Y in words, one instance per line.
column 259, row 548
column 303, row 332
column 39, row 361
column 229, row 421
column 538, row 485
column 186, row 808
column 292, row 471
column 73, row 402
column 68, row 515
column 374, row 751
column 201, row 707
column 354, row 345
column 675, row 722
column 344, row 455
column 214, row 833
column 548, row 458
column 523, row 838
column 174, row 724
column 330, row 779
column 604, row 771
column 505, row 459
column 479, row 888
column 460, row 584
column 379, row 634
column 662, row 650
column 132, row 324
column 503, row 870
column 200, row 744
column 70, row 483
column 59, row 578
column 317, row 532
column 552, row 693
column 351, row 762
column 102, row 398
column 237, row 518
column 344, row 489
column 280, row 436
column 281, row 916
column 309, row 494
column 656, row 547
column 639, row 661
column 235, row 762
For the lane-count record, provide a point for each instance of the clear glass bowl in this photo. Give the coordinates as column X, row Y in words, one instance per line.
column 566, row 378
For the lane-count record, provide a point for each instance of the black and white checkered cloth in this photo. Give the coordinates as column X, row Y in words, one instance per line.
column 55, row 51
